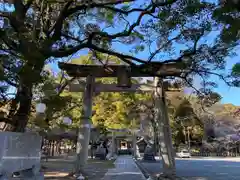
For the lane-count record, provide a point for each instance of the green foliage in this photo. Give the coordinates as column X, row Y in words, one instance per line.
column 184, row 110
column 236, row 69
column 227, row 14
column 236, row 75
column 116, row 110
column 59, row 104
column 34, row 34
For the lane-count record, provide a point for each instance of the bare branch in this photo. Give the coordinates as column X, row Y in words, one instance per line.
column 164, row 45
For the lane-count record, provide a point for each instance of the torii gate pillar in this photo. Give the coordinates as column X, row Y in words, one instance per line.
column 85, row 125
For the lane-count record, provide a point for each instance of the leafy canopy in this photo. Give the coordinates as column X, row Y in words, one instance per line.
column 178, row 38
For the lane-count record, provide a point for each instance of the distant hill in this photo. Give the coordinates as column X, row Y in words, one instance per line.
column 225, row 110
column 227, row 119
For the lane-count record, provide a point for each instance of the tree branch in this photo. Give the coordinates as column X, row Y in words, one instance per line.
column 10, row 82
column 64, row 85
column 59, row 23
column 73, row 38
column 212, row 73
column 67, row 51
column 194, row 49
column 94, row 5
column 164, row 45
column 67, row 12
column 152, row 68
column 125, row 58
column 148, row 10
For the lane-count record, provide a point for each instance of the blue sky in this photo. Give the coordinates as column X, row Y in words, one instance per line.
column 229, row 94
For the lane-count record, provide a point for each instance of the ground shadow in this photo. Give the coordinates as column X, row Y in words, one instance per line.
column 58, row 168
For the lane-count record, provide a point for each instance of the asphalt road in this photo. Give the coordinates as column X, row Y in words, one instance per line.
column 201, row 169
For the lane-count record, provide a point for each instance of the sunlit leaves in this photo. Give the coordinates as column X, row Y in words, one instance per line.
column 113, row 110
column 138, row 48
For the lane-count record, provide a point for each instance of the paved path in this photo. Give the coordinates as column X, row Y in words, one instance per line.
column 201, row 169
column 125, row 169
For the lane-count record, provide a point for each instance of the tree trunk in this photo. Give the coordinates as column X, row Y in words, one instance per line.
column 165, row 135
column 19, row 117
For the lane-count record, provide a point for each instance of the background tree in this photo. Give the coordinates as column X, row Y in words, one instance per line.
column 186, row 123
column 33, row 33
column 236, row 74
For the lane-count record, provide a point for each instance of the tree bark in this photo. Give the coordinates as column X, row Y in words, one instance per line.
column 20, row 109
column 21, row 104
column 165, row 135
column 21, row 117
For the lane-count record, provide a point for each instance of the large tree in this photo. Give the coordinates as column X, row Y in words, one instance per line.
column 34, row 32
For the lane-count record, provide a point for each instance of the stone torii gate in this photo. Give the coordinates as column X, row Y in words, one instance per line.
column 89, row 87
